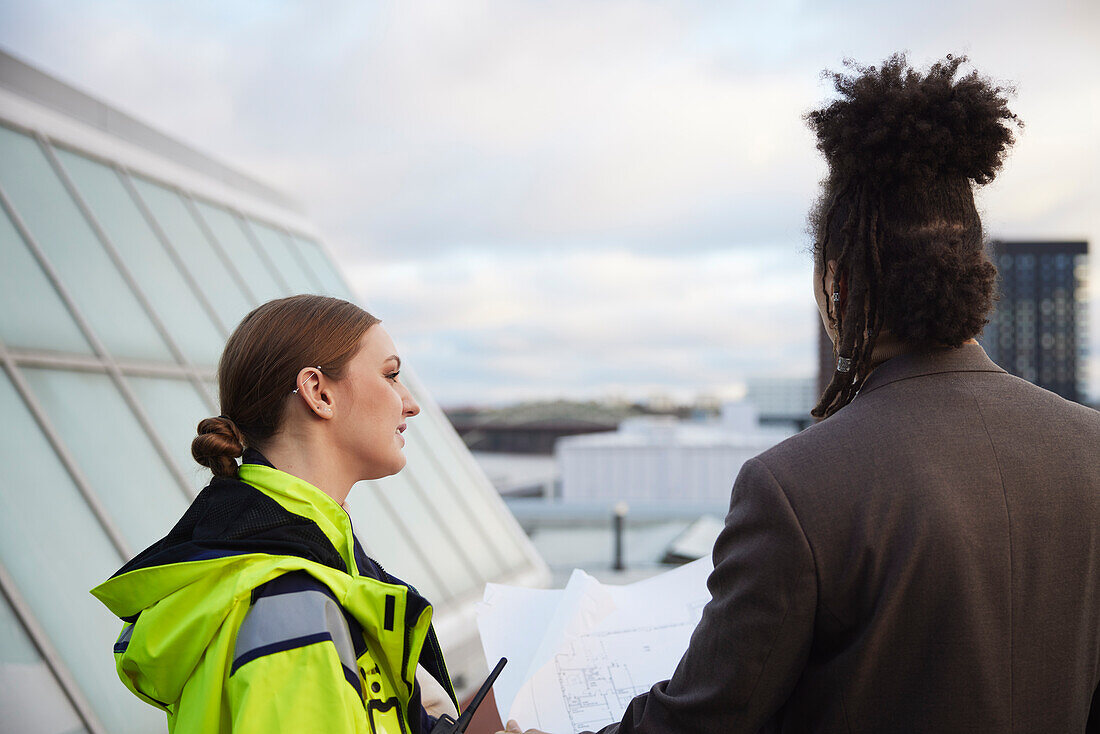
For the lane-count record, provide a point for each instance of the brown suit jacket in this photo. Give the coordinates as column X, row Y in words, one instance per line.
column 925, row 560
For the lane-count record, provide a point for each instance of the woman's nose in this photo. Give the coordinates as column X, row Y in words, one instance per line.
column 408, row 402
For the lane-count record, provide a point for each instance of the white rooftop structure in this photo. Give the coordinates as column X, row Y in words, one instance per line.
column 662, row 460
column 783, row 398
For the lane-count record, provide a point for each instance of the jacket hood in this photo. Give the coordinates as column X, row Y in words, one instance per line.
column 176, row 595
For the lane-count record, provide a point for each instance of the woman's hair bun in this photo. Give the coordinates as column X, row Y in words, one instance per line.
column 893, row 126
column 218, row 445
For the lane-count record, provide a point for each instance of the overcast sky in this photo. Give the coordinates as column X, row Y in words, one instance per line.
column 579, row 198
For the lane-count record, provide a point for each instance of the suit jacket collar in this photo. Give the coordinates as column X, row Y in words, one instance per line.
column 967, row 358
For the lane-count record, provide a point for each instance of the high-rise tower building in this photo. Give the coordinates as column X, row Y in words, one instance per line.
column 1037, row 330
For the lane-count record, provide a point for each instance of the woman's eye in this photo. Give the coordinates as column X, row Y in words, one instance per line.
column 393, row 376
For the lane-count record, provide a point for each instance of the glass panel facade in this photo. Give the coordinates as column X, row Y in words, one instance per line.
column 199, row 256
column 113, row 452
column 174, row 254
column 212, row 392
column 176, row 304
column 175, row 407
column 406, row 496
column 331, row 283
column 278, row 248
column 49, row 325
column 46, row 529
column 482, row 509
column 390, row 542
column 227, row 229
column 68, row 241
column 30, row 697
column 474, row 545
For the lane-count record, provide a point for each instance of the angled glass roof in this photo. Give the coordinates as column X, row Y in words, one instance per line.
column 123, row 274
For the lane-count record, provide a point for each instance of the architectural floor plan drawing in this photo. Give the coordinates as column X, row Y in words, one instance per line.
column 578, row 665
column 600, row 673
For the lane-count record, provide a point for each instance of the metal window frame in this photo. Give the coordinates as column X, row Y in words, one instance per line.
column 417, row 487
column 474, row 470
column 243, row 221
column 297, row 255
column 452, row 487
column 173, row 253
column 248, row 223
column 238, row 218
column 68, row 461
column 404, row 527
column 143, row 301
column 218, row 248
column 531, row 570
column 56, row 664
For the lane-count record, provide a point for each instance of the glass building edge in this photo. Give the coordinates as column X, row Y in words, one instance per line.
column 68, row 461
column 41, row 531
column 196, row 254
column 102, row 191
column 470, row 466
column 54, row 662
column 530, row 571
column 68, row 249
column 217, row 246
column 128, row 177
column 27, row 114
column 113, row 253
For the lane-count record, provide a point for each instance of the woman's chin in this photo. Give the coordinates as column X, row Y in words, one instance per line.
column 389, row 469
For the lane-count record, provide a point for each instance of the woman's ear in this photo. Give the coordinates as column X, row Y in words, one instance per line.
column 314, row 393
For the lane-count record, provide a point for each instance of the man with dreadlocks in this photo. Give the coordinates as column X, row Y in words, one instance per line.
column 927, row 558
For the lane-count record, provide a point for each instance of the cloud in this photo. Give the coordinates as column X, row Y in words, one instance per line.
column 478, row 325
column 532, row 181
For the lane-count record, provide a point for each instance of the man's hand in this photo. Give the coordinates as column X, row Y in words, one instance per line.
column 513, row 728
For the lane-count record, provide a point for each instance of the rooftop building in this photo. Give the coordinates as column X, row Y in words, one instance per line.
column 783, row 401
column 662, row 460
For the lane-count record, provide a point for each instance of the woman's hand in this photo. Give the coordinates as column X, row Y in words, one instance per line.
column 513, row 728
column 432, row 696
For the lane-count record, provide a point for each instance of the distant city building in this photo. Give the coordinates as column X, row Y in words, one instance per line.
column 520, row 475
column 783, row 401
column 533, row 428
column 665, row 460
column 1037, row 331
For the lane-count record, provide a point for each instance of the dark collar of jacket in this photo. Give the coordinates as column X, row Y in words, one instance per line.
column 967, row 358
column 230, row 517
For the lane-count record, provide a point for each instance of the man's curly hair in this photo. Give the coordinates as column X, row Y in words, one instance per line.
column 897, row 211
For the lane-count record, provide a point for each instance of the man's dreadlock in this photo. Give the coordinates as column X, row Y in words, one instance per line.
column 897, row 212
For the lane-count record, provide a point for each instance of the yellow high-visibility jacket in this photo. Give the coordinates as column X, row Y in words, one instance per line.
column 254, row 615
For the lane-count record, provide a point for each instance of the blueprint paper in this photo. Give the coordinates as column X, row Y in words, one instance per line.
column 584, row 660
